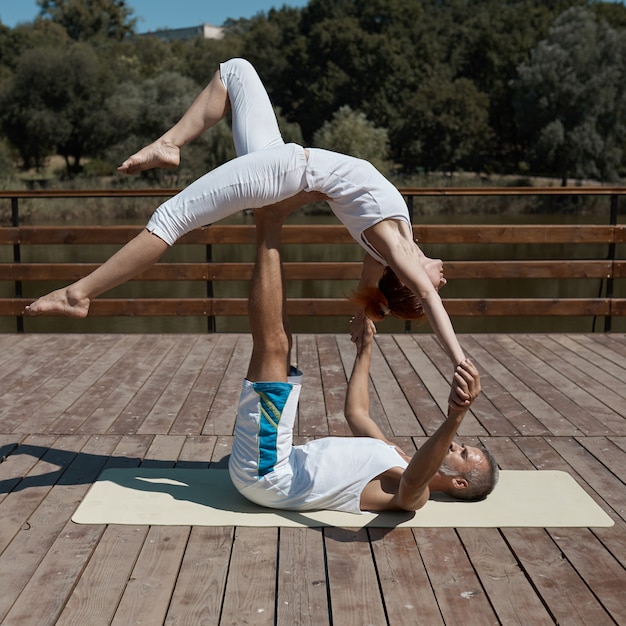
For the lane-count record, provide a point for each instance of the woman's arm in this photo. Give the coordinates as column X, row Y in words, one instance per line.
column 403, row 256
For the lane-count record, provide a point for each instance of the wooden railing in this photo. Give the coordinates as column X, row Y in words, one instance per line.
column 608, row 269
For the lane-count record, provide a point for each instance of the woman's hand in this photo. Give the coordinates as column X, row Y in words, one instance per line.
column 362, row 330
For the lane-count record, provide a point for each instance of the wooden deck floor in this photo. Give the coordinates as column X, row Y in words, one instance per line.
column 72, row 405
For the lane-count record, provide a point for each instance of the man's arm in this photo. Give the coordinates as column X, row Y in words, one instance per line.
column 357, row 405
column 413, row 491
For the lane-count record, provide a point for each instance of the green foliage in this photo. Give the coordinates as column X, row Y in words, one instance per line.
column 350, row 132
column 423, row 84
column 571, row 99
column 52, row 103
column 90, row 19
column 448, row 122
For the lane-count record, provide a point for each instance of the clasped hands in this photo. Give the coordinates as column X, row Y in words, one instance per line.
column 465, row 386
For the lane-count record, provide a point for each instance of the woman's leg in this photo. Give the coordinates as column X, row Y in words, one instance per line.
column 254, row 122
column 235, row 85
column 135, row 257
column 207, row 109
column 73, row 301
column 248, row 182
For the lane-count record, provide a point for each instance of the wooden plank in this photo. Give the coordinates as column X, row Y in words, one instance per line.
column 250, row 596
column 41, row 376
column 406, row 589
column 556, row 389
column 355, row 597
column 590, row 190
column 191, row 416
column 454, row 270
column 315, row 234
column 145, row 398
column 575, row 385
column 146, row 597
column 520, row 380
column 533, row 234
column 595, row 474
column 197, row 452
column 209, row 381
column 24, row 499
column 24, row 353
column 402, row 420
column 81, row 383
column 495, row 408
column 606, row 373
column 302, row 594
column 312, row 410
column 433, row 383
column 505, row 269
column 97, row 594
column 223, row 410
column 563, row 591
column 431, row 346
column 199, row 590
column 377, row 412
column 608, row 453
column 186, row 271
column 164, row 451
column 513, row 598
column 132, row 374
column 460, row 595
column 607, row 346
column 27, row 569
column 19, row 455
column 525, row 307
column 174, row 393
column 100, row 406
column 55, row 577
column 456, row 307
column 334, row 383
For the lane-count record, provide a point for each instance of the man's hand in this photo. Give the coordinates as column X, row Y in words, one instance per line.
column 362, row 331
column 465, row 386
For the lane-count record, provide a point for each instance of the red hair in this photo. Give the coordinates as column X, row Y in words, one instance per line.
column 391, row 296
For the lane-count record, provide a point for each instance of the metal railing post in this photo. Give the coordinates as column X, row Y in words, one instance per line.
column 611, row 257
column 17, row 258
column 209, row 290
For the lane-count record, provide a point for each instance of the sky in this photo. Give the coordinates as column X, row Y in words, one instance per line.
column 156, row 14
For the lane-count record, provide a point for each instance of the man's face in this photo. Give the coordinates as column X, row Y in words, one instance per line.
column 460, row 459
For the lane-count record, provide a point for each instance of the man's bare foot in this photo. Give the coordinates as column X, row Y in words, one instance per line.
column 158, row 154
column 59, row 302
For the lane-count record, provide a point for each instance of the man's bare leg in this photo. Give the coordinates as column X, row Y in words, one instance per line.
column 206, row 110
column 73, row 301
column 271, row 342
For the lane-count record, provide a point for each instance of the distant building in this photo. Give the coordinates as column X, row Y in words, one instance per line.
column 206, row 31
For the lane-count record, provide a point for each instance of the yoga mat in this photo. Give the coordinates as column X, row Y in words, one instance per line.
column 198, row 497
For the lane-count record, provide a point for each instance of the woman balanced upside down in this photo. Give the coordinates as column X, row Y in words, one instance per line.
column 267, row 172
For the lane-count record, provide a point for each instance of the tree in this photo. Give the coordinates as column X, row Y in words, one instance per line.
column 91, row 19
column 570, row 99
column 350, row 132
column 445, row 126
column 53, row 103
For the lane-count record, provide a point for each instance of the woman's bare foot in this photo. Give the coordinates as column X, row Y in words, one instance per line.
column 158, row 154
column 59, row 302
